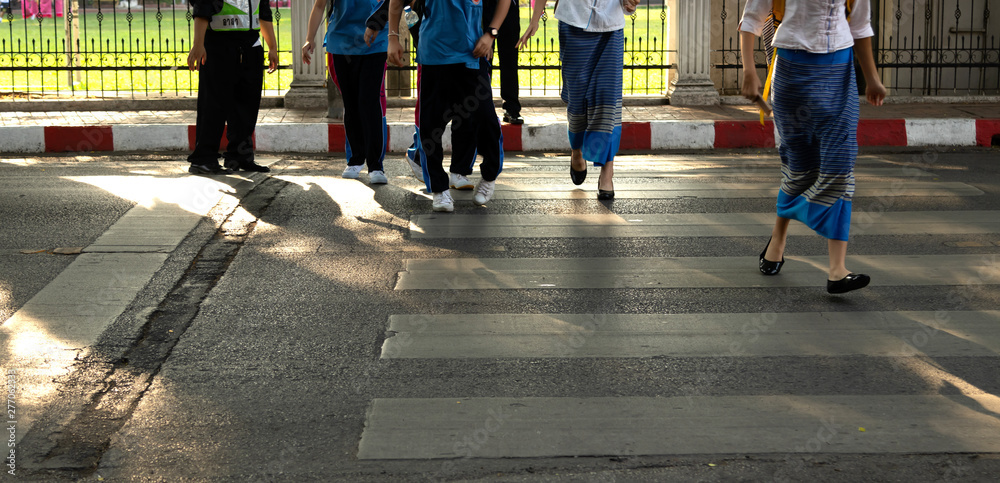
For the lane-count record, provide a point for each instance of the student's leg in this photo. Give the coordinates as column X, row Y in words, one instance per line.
column 799, row 151
column 838, row 151
column 507, row 37
column 779, row 234
column 348, row 73
column 371, row 107
column 489, row 137
column 214, row 95
column 436, row 85
column 464, row 119
column 242, row 118
column 838, row 257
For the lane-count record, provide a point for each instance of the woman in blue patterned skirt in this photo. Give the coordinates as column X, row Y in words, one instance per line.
column 816, row 111
column 591, row 50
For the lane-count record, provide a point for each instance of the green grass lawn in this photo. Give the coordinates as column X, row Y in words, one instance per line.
column 147, row 53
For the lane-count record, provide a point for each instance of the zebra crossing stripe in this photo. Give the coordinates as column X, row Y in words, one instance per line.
column 628, row 189
column 539, row 427
column 688, row 225
column 829, row 334
column 688, row 272
column 661, row 170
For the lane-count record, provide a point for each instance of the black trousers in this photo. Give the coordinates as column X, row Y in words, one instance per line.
column 506, row 48
column 229, row 89
column 454, row 93
column 360, row 80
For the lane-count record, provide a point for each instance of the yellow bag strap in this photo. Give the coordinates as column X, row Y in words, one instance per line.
column 767, row 84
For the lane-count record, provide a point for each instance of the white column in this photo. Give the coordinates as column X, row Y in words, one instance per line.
column 308, row 88
column 694, row 82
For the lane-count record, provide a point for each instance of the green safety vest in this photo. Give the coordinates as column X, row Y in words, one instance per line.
column 237, row 15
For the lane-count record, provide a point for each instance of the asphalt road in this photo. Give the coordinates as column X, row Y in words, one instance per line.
column 255, row 352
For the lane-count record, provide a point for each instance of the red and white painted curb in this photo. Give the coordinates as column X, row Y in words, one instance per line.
column 651, row 135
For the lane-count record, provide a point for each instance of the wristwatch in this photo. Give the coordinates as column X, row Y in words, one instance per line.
column 493, row 32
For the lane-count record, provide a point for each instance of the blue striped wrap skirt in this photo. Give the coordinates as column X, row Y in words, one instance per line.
column 816, row 109
column 592, row 90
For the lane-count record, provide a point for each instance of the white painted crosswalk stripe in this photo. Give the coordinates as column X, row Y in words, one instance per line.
column 512, row 190
column 688, row 225
column 525, row 170
column 603, row 426
column 883, row 334
column 691, row 272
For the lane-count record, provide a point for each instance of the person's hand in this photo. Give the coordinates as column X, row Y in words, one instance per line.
column 197, row 57
column 630, row 5
column 528, row 33
column 395, row 54
column 751, row 84
column 484, row 47
column 875, row 92
column 272, row 60
column 370, row 36
column 307, row 51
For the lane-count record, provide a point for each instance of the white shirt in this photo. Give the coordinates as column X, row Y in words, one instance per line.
column 817, row 26
column 592, row 15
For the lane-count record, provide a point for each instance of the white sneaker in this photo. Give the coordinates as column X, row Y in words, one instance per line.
column 443, row 202
column 377, row 177
column 353, row 172
column 484, row 191
column 418, row 171
column 461, row 182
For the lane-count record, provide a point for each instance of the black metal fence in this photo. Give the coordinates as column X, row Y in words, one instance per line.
column 922, row 47
column 942, row 47
column 95, row 48
column 139, row 48
column 112, row 48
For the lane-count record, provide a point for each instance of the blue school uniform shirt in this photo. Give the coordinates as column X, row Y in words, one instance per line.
column 449, row 31
column 345, row 34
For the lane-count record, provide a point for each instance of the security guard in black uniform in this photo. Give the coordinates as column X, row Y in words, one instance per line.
column 228, row 52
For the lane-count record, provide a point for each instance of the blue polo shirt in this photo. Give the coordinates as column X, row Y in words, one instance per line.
column 449, row 31
column 345, row 34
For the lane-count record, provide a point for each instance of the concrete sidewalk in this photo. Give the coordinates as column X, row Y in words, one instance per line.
column 644, row 127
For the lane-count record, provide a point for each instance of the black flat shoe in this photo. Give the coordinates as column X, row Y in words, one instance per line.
column 252, row 166
column 578, row 177
column 605, row 194
column 248, row 166
column 208, row 169
column 852, row 281
column 768, row 267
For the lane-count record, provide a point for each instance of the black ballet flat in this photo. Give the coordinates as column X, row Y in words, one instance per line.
column 768, row 267
column 852, row 281
column 605, row 194
column 578, row 177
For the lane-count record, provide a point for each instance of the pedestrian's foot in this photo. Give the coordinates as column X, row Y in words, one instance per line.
column 775, row 250
column 461, row 182
column 208, row 169
column 484, row 191
column 606, row 181
column 852, row 281
column 377, row 177
column 576, row 162
column 443, row 202
column 248, row 166
column 512, row 118
column 418, row 171
column 767, row 267
column 577, row 168
column 352, row 172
